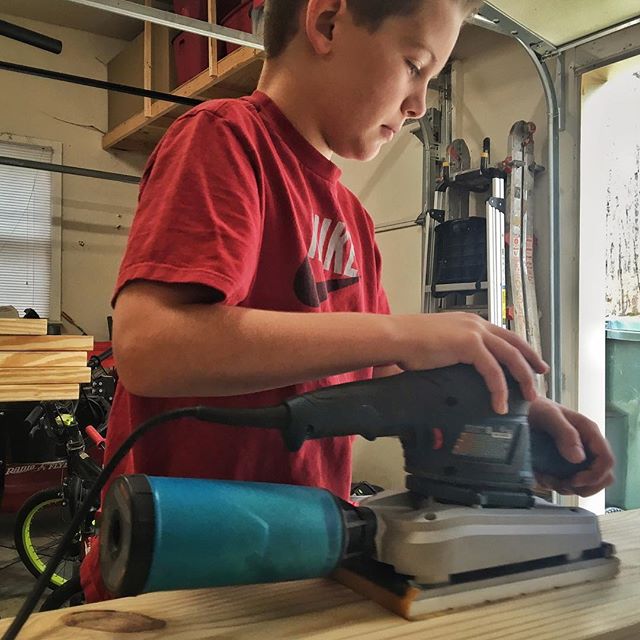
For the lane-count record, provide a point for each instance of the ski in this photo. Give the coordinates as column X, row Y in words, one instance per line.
column 529, row 283
column 515, row 162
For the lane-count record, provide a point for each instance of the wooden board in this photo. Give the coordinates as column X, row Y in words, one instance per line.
column 38, row 375
column 323, row 610
column 46, row 343
column 25, row 392
column 22, row 327
column 15, row 359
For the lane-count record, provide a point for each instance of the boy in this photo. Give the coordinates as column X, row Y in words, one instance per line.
column 252, row 274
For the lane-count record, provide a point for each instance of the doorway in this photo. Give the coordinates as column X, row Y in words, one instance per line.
column 609, row 360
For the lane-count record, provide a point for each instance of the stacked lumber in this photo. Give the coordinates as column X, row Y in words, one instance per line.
column 35, row 366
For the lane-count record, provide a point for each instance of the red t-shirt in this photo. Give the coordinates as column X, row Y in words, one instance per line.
column 234, row 198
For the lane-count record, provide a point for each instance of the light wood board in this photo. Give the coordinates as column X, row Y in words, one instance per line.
column 46, row 343
column 15, row 359
column 36, row 375
column 26, row 392
column 324, row 610
column 22, row 327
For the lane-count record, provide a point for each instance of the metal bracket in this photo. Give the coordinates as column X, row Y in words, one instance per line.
column 491, row 18
column 434, row 118
column 559, row 81
column 498, row 203
column 421, row 220
column 437, row 214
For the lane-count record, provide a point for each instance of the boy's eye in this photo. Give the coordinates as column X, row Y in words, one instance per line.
column 413, row 68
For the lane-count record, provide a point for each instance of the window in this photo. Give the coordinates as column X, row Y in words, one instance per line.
column 29, row 240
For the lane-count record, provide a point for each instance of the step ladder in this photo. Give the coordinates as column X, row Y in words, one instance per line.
column 450, row 203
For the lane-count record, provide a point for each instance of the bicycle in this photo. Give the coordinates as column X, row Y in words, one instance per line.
column 53, row 508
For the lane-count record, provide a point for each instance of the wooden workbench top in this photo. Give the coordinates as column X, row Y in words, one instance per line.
column 323, row 610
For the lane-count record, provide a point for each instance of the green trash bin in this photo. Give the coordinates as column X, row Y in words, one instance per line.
column 623, row 409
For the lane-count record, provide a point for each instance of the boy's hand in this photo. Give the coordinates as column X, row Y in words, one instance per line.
column 572, row 430
column 430, row 341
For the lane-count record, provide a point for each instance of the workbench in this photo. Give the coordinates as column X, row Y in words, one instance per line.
column 325, row 610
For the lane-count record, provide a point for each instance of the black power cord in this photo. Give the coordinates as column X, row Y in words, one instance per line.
column 268, row 417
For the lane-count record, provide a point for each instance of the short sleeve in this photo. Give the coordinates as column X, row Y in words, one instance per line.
column 200, row 215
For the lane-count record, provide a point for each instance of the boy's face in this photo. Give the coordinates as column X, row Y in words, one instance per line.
column 378, row 80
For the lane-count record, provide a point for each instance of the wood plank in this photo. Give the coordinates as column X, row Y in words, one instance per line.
column 14, row 359
column 194, row 86
column 37, row 375
column 117, row 136
column 46, row 343
column 323, row 610
column 22, row 327
column 238, row 74
column 25, row 392
column 237, row 60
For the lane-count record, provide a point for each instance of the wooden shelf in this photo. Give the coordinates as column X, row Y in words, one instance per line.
column 137, row 124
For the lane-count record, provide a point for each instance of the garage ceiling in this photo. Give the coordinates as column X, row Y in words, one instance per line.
column 563, row 21
column 556, row 21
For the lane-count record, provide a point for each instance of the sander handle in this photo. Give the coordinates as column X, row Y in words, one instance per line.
column 395, row 406
column 410, row 403
column 546, row 459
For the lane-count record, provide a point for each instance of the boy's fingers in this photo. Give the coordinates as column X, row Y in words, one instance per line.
column 487, row 366
column 544, row 481
column 564, row 434
column 591, row 477
column 515, row 361
column 535, row 361
column 600, row 470
column 568, row 487
column 591, row 490
column 592, row 437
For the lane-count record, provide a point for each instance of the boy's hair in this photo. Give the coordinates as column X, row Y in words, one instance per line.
column 281, row 17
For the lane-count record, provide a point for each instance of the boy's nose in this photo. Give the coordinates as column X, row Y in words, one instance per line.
column 415, row 105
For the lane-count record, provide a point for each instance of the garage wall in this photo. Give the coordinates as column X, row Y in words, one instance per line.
column 96, row 214
column 494, row 85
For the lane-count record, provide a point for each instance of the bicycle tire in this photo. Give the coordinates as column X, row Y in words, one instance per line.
column 32, row 557
column 69, row 591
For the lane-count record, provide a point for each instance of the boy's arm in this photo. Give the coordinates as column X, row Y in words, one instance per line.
column 173, row 340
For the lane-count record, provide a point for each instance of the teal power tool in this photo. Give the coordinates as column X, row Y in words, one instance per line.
column 467, row 530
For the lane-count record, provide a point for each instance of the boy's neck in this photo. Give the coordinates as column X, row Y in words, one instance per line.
column 282, row 84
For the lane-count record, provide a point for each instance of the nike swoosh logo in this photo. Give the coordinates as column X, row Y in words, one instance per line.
column 312, row 293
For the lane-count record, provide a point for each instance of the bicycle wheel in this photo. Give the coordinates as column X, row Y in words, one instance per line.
column 68, row 595
column 39, row 527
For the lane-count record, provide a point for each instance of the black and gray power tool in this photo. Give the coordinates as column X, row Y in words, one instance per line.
column 467, row 529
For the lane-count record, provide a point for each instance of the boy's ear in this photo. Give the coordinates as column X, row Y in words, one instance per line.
column 320, row 21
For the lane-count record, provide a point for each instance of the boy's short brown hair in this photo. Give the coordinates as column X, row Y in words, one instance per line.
column 281, row 17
